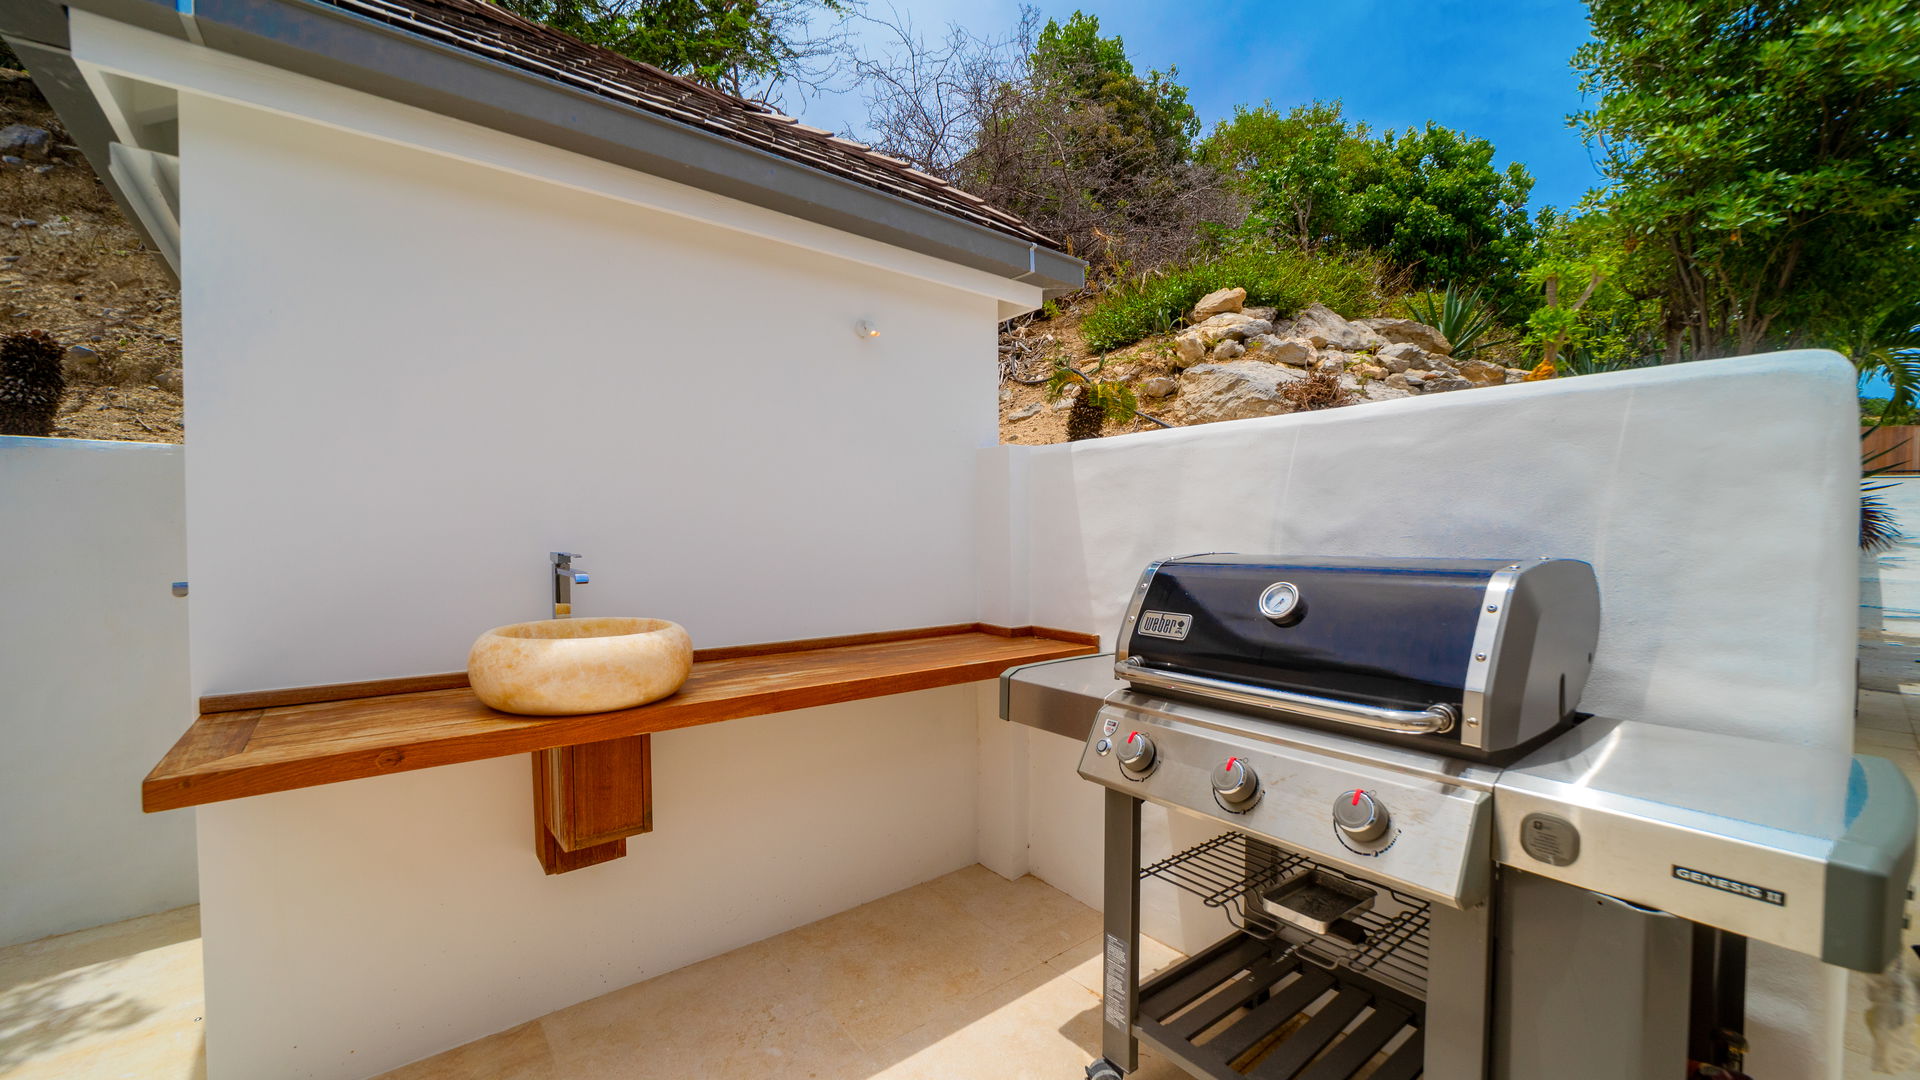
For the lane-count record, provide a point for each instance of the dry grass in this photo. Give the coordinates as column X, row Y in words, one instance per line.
column 1319, row 390
column 1132, row 365
column 83, row 276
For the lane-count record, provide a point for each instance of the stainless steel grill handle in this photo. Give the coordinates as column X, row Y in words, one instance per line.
column 1432, row 720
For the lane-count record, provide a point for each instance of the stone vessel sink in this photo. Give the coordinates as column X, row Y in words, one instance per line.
column 563, row 667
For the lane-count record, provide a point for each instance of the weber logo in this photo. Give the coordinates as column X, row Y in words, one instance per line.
column 1738, row 888
column 1166, row 624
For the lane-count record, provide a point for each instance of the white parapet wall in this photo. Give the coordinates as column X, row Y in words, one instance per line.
column 93, row 682
column 1726, row 564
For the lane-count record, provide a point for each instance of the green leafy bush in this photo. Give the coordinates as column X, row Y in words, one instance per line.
column 1284, row 279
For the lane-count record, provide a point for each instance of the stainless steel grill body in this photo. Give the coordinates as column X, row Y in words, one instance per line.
column 1468, row 656
column 1408, row 899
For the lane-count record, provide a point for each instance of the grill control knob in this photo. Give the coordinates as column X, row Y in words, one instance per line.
column 1235, row 783
column 1136, row 753
column 1358, row 816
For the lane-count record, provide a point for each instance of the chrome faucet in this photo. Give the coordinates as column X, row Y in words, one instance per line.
column 565, row 577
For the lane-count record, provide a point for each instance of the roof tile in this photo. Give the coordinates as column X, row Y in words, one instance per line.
column 494, row 33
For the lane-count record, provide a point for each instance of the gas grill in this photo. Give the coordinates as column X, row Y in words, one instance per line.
column 1431, row 862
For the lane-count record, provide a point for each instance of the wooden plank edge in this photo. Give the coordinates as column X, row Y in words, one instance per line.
column 248, row 700
column 210, row 783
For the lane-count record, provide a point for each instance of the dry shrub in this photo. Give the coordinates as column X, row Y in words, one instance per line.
column 1319, row 390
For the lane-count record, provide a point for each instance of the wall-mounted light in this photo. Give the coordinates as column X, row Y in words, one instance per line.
column 865, row 329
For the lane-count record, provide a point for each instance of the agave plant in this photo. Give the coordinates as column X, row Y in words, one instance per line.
column 1581, row 361
column 1460, row 316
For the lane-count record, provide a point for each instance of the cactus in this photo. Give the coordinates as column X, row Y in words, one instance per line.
column 31, row 383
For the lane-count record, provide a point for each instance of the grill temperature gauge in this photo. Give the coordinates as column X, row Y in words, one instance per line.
column 1358, row 816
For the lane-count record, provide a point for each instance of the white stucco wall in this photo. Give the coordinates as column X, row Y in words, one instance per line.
column 1726, row 565
column 93, row 682
column 413, row 375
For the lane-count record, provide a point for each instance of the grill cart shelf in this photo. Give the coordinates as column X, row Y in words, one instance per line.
column 1251, row 1007
column 1233, row 870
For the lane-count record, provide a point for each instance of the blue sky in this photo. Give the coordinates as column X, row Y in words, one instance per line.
column 1493, row 70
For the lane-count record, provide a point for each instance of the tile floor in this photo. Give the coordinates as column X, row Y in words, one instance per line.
column 117, row 1001
column 1008, row 988
column 968, row 975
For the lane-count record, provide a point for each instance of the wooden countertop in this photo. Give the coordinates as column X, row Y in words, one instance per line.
column 255, row 743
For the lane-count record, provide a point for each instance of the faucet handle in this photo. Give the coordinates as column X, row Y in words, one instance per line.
column 579, row 577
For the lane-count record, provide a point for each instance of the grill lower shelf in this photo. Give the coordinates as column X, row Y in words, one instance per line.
column 1250, row 1007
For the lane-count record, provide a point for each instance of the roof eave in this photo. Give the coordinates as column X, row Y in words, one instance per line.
column 346, row 50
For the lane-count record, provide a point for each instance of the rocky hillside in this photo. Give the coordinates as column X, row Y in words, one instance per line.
column 1231, row 362
column 71, row 266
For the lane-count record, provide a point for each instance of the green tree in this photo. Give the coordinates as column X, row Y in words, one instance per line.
column 744, row 47
column 1593, row 314
column 1088, row 149
column 1429, row 200
column 1432, row 201
column 1142, row 119
column 1763, row 156
column 1296, row 170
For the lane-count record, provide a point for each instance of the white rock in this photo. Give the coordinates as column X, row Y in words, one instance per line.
column 1158, row 387
column 1332, row 361
column 1228, row 350
column 1232, row 324
column 1379, row 392
column 1189, row 348
column 1317, row 321
column 1218, row 301
column 1440, row 383
column 1234, row 391
column 1266, row 313
column 1400, row 357
column 1481, row 373
column 1410, row 332
column 1027, row 413
column 1516, row 374
column 1275, row 350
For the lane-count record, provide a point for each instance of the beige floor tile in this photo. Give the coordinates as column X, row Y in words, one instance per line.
column 1040, row 1024
column 122, row 1000
column 519, row 1053
column 1868, row 740
column 750, row 986
column 1084, row 962
column 1885, row 711
column 885, row 968
column 1043, row 921
column 668, row 1047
